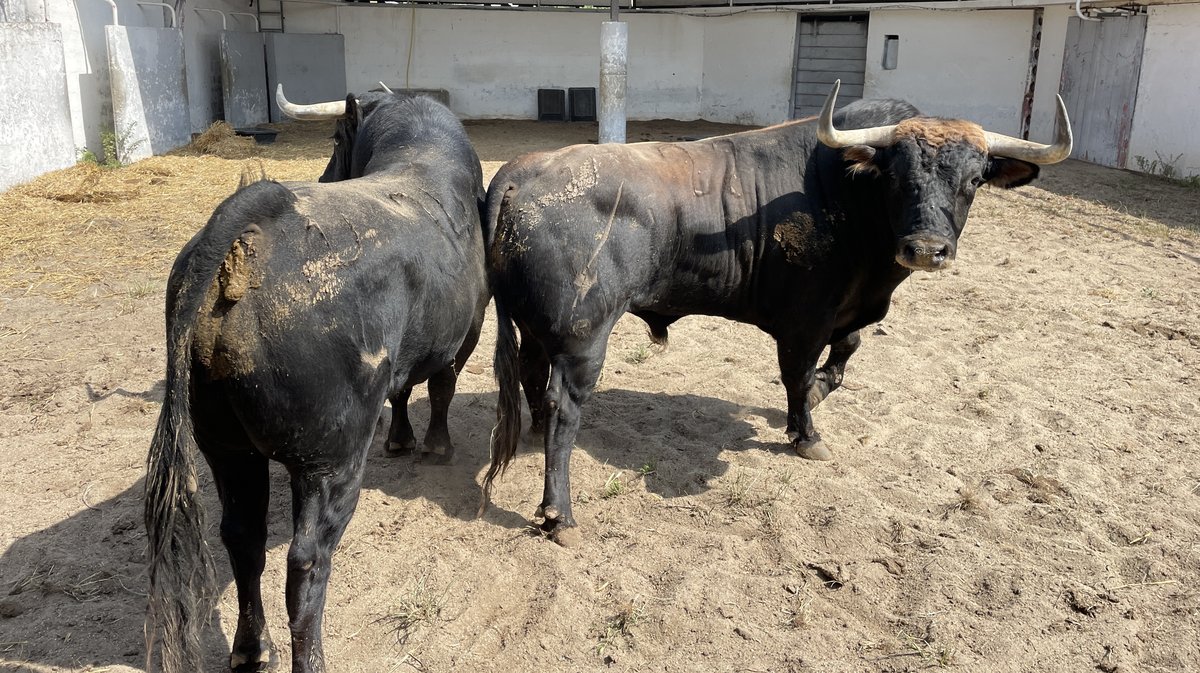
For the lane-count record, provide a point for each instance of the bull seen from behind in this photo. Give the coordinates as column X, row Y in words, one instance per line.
column 802, row 229
column 291, row 317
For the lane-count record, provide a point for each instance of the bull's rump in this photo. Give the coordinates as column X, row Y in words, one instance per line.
column 310, row 315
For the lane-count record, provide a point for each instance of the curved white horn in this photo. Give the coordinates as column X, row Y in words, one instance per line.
column 876, row 136
column 1035, row 153
column 330, row 110
column 385, row 87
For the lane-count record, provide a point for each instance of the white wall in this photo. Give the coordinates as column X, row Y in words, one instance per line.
column 748, row 61
column 1164, row 121
column 734, row 69
column 86, row 57
column 201, row 37
column 1049, row 72
column 968, row 65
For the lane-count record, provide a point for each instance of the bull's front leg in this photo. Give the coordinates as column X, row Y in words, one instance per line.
column 798, row 369
column 829, row 376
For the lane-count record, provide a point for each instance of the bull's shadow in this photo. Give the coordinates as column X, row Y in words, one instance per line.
column 680, row 436
column 72, row 595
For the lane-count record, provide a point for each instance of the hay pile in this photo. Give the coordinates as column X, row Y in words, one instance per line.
column 91, row 230
column 219, row 140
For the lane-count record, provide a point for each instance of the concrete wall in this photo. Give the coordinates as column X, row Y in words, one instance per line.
column 88, row 86
column 1049, row 72
column 244, row 93
column 149, row 92
column 35, row 121
column 201, row 36
column 1164, row 121
column 311, row 68
column 969, row 65
column 734, row 69
column 748, row 61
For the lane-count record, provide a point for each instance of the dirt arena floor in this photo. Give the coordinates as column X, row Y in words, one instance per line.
column 1016, row 484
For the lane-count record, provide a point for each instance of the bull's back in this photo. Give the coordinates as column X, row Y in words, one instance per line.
column 654, row 221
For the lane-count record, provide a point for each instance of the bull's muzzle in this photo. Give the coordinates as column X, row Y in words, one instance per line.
column 925, row 253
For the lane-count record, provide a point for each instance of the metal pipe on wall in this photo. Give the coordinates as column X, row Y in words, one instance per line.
column 224, row 24
column 169, row 9
column 257, row 29
column 113, row 4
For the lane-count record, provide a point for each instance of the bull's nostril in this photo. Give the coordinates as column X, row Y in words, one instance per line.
column 942, row 253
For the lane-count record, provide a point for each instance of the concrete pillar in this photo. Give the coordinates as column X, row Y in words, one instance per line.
column 614, row 57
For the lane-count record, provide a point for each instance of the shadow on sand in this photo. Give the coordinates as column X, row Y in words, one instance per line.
column 82, row 579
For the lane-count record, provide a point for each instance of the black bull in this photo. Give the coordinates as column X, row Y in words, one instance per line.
column 291, row 317
column 768, row 227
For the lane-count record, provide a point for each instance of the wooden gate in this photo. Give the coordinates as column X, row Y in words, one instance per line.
column 827, row 49
column 1101, row 65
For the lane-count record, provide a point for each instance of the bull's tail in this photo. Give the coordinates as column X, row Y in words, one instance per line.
column 507, row 433
column 182, row 588
column 180, row 565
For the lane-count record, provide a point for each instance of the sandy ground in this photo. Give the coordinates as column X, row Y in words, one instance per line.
column 1016, row 486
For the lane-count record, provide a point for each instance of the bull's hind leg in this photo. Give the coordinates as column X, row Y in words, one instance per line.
column 573, row 376
column 244, row 489
column 829, row 376
column 797, row 371
column 401, row 440
column 438, row 449
column 535, row 373
column 323, row 500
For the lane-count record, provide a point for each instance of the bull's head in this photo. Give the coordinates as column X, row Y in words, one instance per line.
column 932, row 168
column 349, row 114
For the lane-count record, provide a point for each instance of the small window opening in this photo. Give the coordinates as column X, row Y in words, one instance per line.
column 891, row 51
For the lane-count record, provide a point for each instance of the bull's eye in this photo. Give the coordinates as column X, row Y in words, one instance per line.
column 977, row 181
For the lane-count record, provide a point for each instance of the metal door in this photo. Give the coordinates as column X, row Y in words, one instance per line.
column 1101, row 65
column 828, row 49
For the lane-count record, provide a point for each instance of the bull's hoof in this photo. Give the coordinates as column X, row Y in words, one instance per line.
column 401, row 448
column 428, row 457
column 260, row 662
column 813, row 449
column 437, row 449
column 554, row 525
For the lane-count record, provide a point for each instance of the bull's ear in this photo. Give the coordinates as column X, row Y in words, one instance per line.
column 353, row 112
column 861, row 158
column 1008, row 173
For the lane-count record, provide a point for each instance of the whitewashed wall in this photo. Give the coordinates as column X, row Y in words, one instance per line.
column 1164, row 121
column 969, row 65
column 733, row 69
column 748, row 61
column 201, row 37
column 1049, row 72
column 86, row 56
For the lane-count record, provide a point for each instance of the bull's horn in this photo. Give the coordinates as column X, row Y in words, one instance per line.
column 1035, row 153
column 385, row 87
column 877, row 136
column 330, row 110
